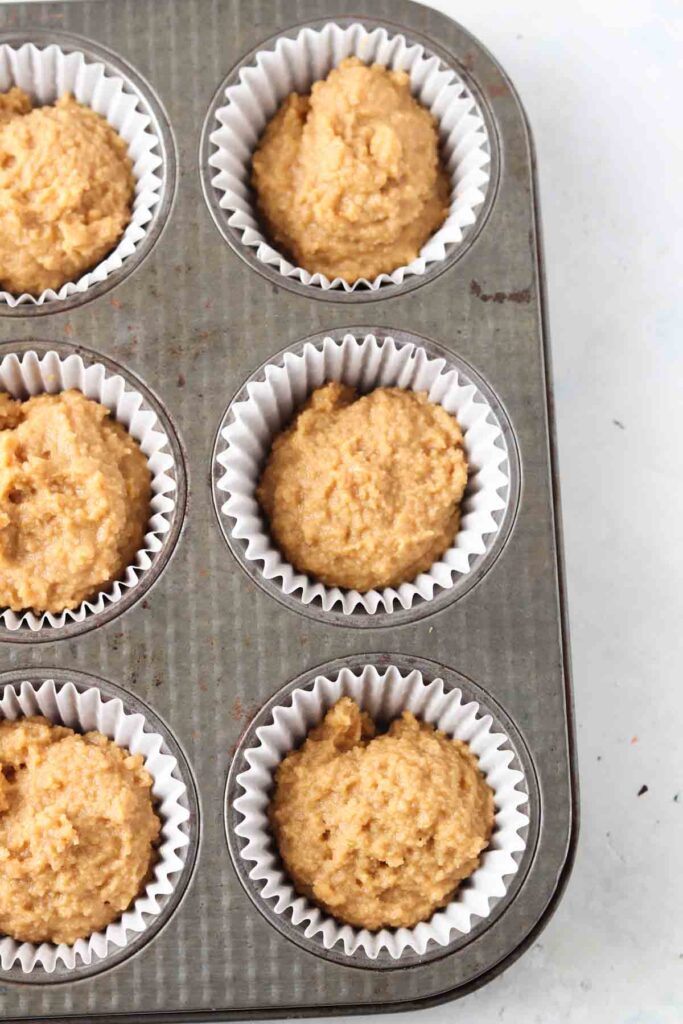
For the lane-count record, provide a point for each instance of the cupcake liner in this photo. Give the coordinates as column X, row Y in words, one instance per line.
column 46, row 73
column 384, row 694
column 32, row 375
column 293, row 65
column 364, row 364
column 85, row 711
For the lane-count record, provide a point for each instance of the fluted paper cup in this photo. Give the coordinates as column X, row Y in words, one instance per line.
column 33, row 374
column 293, row 65
column 85, row 711
column 46, row 73
column 384, row 693
column 365, row 362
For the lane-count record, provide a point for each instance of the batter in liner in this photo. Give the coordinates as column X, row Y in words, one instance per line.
column 74, row 500
column 365, row 492
column 380, row 830
column 66, row 188
column 348, row 178
column 77, row 831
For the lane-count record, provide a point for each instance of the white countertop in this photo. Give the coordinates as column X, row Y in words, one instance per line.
column 601, row 81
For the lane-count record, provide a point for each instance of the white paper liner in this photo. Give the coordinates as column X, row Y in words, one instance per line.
column 384, row 695
column 33, row 375
column 293, row 65
column 46, row 74
column 364, row 364
column 85, row 711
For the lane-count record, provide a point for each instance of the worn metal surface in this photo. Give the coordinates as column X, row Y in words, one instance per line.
column 207, row 646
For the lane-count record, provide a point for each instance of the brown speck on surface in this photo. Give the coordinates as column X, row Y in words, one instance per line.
column 499, row 89
column 618, row 423
column 116, row 303
column 468, row 60
column 240, row 712
column 158, row 681
column 522, row 297
column 643, row 789
column 181, row 380
column 634, row 739
column 203, row 572
column 145, row 604
column 68, row 329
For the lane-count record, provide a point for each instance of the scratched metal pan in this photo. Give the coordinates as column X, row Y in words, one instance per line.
column 192, row 317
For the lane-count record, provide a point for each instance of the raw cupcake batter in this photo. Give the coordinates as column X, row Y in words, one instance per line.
column 77, row 831
column 380, row 830
column 348, row 178
column 74, row 500
column 66, row 188
column 365, row 492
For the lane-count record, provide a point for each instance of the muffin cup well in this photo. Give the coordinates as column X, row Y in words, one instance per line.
column 266, row 405
column 384, row 692
column 46, row 72
column 31, row 373
column 292, row 63
column 85, row 709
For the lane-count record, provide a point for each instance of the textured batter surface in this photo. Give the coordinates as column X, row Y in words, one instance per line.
column 66, row 188
column 365, row 492
column 380, row 830
column 74, row 500
column 348, row 179
column 77, row 831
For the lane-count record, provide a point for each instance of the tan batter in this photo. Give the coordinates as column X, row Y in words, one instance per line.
column 365, row 492
column 380, row 830
column 77, row 831
column 66, row 188
column 348, row 178
column 74, row 500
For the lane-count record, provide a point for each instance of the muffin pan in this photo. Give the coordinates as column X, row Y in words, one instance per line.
column 211, row 649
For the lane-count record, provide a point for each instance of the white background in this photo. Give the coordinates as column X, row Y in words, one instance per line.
column 602, row 85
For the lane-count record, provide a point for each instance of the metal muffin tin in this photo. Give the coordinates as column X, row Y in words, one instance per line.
column 208, row 647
